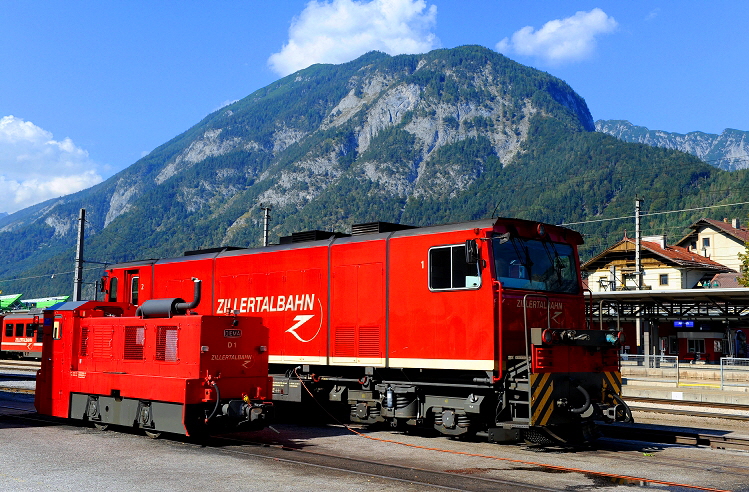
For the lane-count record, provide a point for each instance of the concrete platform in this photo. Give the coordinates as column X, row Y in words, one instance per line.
column 689, row 390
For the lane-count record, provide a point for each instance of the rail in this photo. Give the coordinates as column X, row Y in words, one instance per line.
column 730, row 372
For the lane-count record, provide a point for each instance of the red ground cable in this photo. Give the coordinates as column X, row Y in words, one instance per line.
column 509, row 460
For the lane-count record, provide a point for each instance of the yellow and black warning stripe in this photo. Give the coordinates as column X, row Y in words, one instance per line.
column 612, row 383
column 542, row 404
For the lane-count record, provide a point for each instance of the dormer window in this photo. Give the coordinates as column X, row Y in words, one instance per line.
column 705, row 242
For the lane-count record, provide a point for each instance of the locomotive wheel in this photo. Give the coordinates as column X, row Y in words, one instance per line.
column 101, row 427
column 153, row 434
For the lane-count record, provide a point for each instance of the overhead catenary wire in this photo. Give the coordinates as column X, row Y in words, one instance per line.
column 647, row 214
column 46, row 275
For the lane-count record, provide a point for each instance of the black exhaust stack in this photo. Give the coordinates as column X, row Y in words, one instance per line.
column 166, row 308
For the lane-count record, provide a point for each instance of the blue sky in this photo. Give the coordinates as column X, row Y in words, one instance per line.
column 87, row 88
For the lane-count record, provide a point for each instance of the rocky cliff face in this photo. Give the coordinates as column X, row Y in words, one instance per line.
column 373, row 139
column 727, row 151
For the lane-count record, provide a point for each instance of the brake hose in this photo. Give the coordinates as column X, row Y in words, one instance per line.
column 218, row 402
column 586, row 405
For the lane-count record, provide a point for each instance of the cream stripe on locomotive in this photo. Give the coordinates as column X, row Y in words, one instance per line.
column 470, row 364
column 542, row 405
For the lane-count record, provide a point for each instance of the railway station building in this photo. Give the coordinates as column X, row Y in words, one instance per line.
column 690, row 303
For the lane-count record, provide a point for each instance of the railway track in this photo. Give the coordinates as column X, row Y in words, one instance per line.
column 474, row 478
column 659, row 401
column 635, row 432
column 675, row 435
column 19, row 365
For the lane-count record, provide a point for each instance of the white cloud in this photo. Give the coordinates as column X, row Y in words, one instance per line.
column 653, row 14
column 34, row 167
column 561, row 40
column 340, row 30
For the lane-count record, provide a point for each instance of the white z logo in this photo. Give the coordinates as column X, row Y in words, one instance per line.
column 301, row 319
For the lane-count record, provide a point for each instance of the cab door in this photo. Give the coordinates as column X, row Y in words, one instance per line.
column 132, row 286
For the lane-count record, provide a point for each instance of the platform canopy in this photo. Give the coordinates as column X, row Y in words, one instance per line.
column 9, row 301
column 44, row 302
column 665, row 305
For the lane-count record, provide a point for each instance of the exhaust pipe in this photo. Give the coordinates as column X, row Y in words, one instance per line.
column 184, row 306
column 166, row 308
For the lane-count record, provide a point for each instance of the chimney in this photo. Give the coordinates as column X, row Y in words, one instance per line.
column 736, row 224
column 660, row 240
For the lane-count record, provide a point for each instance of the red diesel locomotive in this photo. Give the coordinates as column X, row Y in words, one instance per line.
column 21, row 334
column 156, row 368
column 475, row 326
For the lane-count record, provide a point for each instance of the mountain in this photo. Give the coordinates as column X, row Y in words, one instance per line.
column 449, row 135
column 729, row 150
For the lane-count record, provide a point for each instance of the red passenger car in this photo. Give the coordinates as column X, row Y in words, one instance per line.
column 22, row 334
column 476, row 326
column 154, row 369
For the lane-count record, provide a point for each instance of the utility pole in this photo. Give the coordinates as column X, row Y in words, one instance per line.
column 638, row 244
column 266, row 222
column 643, row 336
column 78, row 278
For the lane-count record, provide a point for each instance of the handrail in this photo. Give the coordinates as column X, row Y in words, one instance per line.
column 600, row 313
column 589, row 319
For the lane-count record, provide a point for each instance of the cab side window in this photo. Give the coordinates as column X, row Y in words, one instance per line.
column 448, row 269
column 134, row 290
column 113, row 290
column 8, row 329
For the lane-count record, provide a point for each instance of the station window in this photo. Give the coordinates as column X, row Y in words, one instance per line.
column 696, row 346
column 663, row 279
column 673, row 344
column 448, row 269
column 705, row 242
column 9, row 329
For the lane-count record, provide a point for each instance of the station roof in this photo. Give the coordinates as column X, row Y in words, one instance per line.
column 671, row 255
column 677, row 304
column 8, row 300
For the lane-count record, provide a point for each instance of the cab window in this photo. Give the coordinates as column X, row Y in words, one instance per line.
column 134, row 290
column 448, row 269
column 113, row 290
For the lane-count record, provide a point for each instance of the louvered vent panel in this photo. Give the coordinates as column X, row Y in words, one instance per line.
column 84, row 341
column 134, row 341
column 345, row 343
column 166, row 343
column 102, row 343
column 369, row 341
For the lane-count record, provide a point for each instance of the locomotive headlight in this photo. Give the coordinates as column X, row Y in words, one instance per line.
column 204, row 349
column 547, row 337
column 615, row 337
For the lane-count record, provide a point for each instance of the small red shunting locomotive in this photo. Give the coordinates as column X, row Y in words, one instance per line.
column 158, row 368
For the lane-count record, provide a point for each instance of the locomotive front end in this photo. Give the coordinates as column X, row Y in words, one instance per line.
column 559, row 376
column 574, row 382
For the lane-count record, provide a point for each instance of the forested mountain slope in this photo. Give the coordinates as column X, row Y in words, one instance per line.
column 444, row 136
